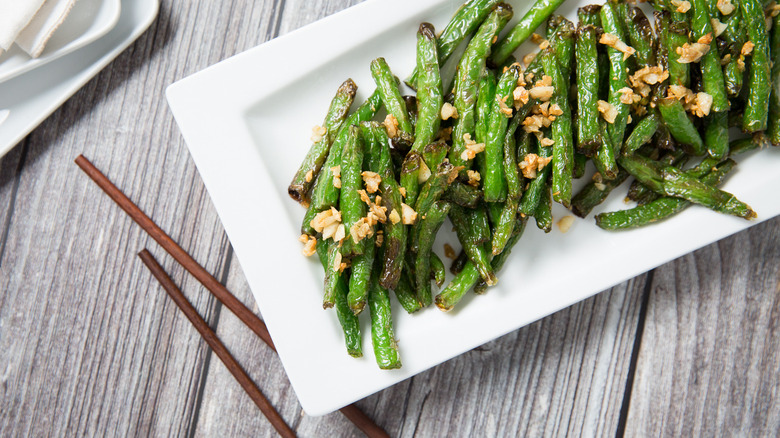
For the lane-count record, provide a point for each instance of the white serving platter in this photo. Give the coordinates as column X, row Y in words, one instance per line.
column 247, row 122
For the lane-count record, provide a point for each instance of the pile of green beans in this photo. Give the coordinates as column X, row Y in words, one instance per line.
column 501, row 141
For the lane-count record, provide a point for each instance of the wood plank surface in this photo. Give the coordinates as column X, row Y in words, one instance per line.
column 710, row 353
column 91, row 346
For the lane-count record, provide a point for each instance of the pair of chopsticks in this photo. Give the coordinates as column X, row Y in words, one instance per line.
column 352, row 412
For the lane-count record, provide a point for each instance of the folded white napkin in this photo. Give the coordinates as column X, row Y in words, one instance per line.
column 14, row 16
column 50, row 16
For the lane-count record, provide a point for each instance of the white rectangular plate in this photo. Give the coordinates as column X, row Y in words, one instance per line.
column 247, row 122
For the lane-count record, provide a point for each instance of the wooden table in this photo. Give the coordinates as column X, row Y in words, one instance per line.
column 90, row 345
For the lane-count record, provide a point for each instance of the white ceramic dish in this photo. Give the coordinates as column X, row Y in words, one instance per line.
column 32, row 97
column 87, row 21
column 247, row 122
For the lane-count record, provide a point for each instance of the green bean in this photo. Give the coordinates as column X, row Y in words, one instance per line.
column 395, row 234
column 735, row 32
column 428, row 228
column 475, row 251
column 543, row 214
column 351, row 206
column 462, row 194
column 756, row 141
column 618, row 76
column 486, row 93
column 589, row 16
column 759, row 75
column 411, row 110
column 588, row 132
column 494, row 181
column 324, row 193
column 435, row 153
column 360, row 272
column 533, row 193
column 310, row 167
column 674, row 34
column 430, row 193
column 470, row 68
column 663, row 139
column 712, row 72
column 681, row 127
column 507, row 218
column 716, row 134
column 514, row 181
column 468, row 276
column 382, row 334
column 580, row 163
column 594, row 193
column 605, row 158
column 349, row 321
column 500, row 259
column 459, row 262
column 404, row 293
column 642, row 194
column 438, row 271
column 454, row 292
column 429, row 88
column 465, row 21
column 643, row 132
column 505, row 226
column 641, row 37
column 553, row 22
column 563, row 148
column 735, row 36
column 387, row 85
column 670, row 181
column 565, row 37
column 478, row 220
column 410, row 179
column 332, row 275
column 433, row 188
column 493, row 210
column 658, row 209
column 523, row 29
column 773, row 122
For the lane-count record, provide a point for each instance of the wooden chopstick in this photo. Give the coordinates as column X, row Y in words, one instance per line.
column 219, row 348
column 352, row 412
column 177, row 252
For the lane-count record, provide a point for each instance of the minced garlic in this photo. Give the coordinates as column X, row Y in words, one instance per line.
column 448, row 111
column 692, row 52
column 372, row 180
column 309, row 245
column 608, row 111
column 317, row 133
column 408, row 215
column 394, row 216
column 565, row 223
column 472, row 148
column 391, row 126
column 613, row 41
column 474, row 177
column 726, row 7
column 682, row 6
column 532, row 164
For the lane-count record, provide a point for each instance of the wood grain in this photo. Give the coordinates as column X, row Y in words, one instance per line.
column 708, row 363
column 90, row 346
